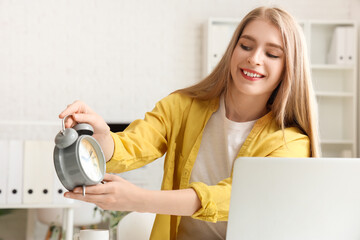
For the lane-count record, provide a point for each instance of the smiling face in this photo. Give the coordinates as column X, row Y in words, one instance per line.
column 257, row 61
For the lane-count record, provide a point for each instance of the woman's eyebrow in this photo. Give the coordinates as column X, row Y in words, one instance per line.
column 268, row 44
column 275, row 46
column 248, row 37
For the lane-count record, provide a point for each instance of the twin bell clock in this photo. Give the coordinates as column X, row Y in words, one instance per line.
column 78, row 158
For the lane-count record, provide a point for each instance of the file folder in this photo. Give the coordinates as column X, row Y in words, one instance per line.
column 336, row 54
column 4, row 150
column 38, row 172
column 59, row 190
column 15, row 172
column 350, row 45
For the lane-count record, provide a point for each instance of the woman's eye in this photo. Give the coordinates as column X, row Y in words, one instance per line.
column 246, row 48
column 271, row 55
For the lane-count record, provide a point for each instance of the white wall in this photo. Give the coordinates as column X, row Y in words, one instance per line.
column 118, row 56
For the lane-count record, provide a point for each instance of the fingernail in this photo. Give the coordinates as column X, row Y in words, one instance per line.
column 76, row 190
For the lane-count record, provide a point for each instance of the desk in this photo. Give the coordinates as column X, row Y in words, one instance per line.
column 68, row 217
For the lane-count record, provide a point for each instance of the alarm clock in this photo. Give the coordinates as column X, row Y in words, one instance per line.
column 78, row 157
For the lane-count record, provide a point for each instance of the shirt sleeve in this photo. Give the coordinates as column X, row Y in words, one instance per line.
column 215, row 200
column 143, row 141
column 299, row 147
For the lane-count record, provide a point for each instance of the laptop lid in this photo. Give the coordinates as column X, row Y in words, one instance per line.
column 295, row 198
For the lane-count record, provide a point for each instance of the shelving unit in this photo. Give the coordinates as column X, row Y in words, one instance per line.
column 68, row 219
column 336, row 89
column 335, row 84
column 37, row 130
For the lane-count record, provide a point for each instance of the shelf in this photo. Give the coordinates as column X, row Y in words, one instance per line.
column 225, row 21
column 33, row 206
column 343, row 22
column 332, row 67
column 334, row 94
column 337, row 142
column 30, row 123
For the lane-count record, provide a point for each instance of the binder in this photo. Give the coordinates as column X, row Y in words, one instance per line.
column 59, row 190
column 336, row 54
column 4, row 150
column 38, row 172
column 350, row 45
column 15, row 172
column 221, row 36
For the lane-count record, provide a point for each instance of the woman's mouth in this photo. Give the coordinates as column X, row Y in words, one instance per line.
column 251, row 75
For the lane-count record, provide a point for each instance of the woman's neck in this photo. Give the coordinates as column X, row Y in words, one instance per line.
column 244, row 108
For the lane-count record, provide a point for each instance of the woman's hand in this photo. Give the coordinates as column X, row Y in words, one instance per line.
column 115, row 194
column 81, row 113
column 120, row 195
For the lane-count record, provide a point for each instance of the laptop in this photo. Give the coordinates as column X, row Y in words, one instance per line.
column 295, row 199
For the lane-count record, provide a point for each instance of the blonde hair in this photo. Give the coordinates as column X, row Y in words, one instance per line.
column 293, row 101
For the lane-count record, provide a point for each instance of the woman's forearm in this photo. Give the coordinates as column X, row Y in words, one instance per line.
column 184, row 202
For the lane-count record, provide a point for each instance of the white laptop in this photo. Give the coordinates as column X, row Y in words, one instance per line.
column 295, row 199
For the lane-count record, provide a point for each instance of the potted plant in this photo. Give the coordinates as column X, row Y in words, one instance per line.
column 113, row 218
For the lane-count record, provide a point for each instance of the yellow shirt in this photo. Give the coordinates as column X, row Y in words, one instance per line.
column 175, row 127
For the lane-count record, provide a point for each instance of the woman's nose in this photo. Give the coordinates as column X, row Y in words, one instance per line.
column 255, row 58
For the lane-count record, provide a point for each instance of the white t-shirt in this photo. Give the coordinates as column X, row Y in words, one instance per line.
column 220, row 144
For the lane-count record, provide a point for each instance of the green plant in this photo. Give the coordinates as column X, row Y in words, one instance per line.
column 113, row 217
column 5, row 211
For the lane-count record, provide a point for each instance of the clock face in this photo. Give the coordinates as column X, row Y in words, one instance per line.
column 89, row 160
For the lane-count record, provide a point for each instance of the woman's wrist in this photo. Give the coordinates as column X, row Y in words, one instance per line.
column 107, row 144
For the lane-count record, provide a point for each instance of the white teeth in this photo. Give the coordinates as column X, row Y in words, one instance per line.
column 251, row 74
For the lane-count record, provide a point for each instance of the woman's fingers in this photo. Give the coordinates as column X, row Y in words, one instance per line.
column 100, row 194
column 79, row 112
column 71, row 109
column 91, row 198
column 95, row 189
column 75, row 107
column 111, row 177
column 101, row 188
column 85, row 118
column 115, row 193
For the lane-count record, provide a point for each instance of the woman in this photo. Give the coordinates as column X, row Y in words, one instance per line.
column 257, row 102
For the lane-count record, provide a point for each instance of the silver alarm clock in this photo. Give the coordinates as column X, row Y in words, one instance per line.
column 78, row 157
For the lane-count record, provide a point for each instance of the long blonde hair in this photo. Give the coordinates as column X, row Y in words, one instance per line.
column 293, row 101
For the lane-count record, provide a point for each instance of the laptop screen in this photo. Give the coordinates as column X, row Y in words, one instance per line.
column 295, row 198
